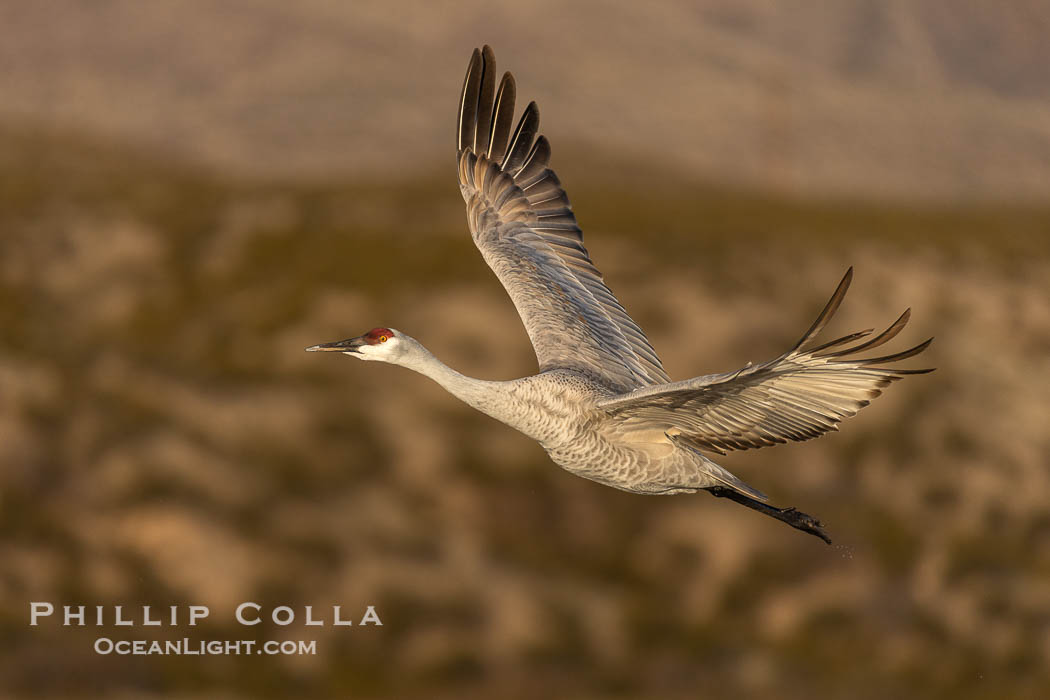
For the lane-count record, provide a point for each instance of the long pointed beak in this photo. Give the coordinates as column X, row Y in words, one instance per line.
column 350, row 345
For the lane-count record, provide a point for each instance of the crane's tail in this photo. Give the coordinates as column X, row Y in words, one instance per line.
column 729, row 486
column 715, row 472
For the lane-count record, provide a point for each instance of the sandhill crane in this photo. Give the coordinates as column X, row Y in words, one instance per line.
column 602, row 405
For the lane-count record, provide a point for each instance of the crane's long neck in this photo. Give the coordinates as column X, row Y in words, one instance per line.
column 481, row 394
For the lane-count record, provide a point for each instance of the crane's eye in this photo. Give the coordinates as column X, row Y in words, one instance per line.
column 382, row 339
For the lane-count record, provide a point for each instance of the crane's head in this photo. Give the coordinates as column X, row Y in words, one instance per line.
column 382, row 344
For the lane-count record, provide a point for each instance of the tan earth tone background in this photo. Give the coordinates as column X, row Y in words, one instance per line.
column 191, row 193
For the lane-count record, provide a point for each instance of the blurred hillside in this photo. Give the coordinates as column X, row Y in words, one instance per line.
column 878, row 98
column 165, row 440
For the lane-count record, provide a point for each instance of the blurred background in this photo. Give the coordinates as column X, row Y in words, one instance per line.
column 191, row 193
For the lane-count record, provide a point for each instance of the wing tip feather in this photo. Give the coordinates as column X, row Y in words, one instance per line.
column 829, row 310
column 467, row 121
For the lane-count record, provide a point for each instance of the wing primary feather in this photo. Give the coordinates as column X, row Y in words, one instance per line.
column 468, row 103
column 840, row 341
column 483, row 121
column 536, row 163
column 911, row 352
column 829, row 311
column 875, row 342
column 521, row 142
column 502, row 118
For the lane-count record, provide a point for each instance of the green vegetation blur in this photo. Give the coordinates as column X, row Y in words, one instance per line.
column 166, row 441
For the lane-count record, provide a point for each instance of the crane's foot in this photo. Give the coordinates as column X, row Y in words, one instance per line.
column 795, row 518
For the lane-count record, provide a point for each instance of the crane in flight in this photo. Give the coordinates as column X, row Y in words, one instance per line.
column 602, row 405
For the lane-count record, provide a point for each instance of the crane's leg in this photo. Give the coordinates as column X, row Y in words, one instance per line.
column 794, row 518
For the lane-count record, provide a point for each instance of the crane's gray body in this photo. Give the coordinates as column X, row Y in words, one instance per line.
column 580, row 438
column 558, row 409
column 561, row 410
column 602, row 405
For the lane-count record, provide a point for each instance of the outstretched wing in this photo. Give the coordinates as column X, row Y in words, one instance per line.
column 798, row 396
column 522, row 223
